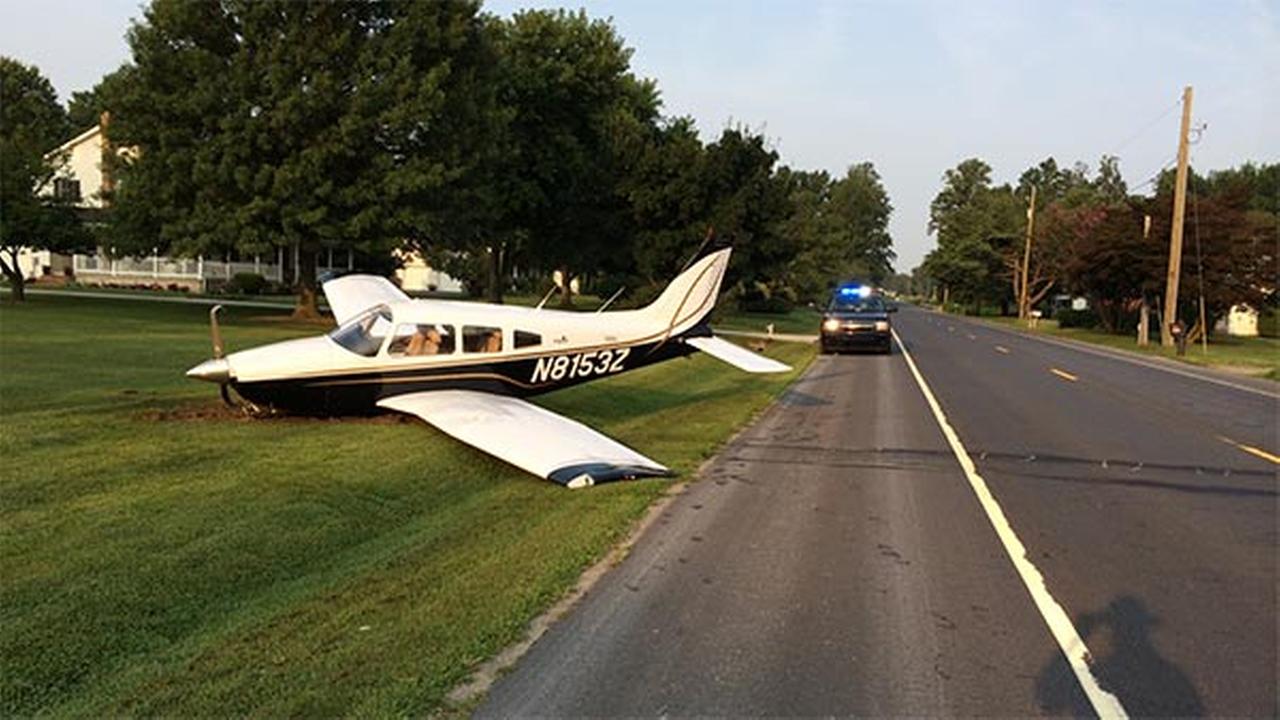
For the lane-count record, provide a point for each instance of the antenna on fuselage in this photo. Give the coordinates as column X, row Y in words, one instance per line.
column 547, row 297
column 612, row 297
column 711, row 233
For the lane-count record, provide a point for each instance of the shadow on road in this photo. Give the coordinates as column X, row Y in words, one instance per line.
column 796, row 398
column 1126, row 663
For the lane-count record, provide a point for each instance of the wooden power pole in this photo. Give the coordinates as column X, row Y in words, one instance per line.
column 1024, row 308
column 1175, row 236
column 1144, row 316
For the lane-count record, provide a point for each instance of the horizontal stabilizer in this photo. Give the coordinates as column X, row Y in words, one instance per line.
column 737, row 356
column 535, row 439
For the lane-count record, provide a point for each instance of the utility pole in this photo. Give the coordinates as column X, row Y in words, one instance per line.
column 1175, row 237
column 1144, row 318
column 1024, row 309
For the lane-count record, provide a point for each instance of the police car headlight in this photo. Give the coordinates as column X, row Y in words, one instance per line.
column 882, row 326
column 831, row 324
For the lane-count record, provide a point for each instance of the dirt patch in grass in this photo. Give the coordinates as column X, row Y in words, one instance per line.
column 205, row 411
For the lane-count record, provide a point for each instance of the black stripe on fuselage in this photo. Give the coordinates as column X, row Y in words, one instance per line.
column 358, row 394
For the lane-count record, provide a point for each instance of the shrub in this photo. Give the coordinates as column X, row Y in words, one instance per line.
column 246, row 284
column 1087, row 318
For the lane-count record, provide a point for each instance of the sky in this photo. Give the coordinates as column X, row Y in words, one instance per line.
column 913, row 86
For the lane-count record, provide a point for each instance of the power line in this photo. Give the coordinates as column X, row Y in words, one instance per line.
column 1141, row 131
column 1197, row 132
column 1155, row 175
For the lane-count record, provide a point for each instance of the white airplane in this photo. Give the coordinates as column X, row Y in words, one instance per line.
column 464, row 367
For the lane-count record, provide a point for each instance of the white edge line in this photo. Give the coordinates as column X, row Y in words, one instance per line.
column 1070, row 642
column 1124, row 357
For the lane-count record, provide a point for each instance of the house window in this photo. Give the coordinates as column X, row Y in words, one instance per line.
column 481, row 339
column 66, row 189
column 527, row 339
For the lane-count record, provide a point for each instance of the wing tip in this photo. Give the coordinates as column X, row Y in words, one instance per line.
column 584, row 475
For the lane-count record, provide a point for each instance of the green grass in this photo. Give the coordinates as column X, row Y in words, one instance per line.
column 159, row 557
column 1258, row 356
column 800, row 320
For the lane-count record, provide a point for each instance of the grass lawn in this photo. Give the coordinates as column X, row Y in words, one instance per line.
column 161, row 557
column 1258, row 356
column 800, row 320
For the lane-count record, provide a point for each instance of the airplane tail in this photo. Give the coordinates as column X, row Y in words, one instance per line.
column 689, row 299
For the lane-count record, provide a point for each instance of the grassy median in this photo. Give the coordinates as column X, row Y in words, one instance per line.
column 159, row 556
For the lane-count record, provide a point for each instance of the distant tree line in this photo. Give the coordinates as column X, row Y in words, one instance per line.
column 503, row 150
column 1091, row 240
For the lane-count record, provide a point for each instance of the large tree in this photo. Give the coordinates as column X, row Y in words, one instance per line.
column 32, row 215
column 839, row 229
column 860, row 211
column 977, row 226
column 578, row 115
column 301, row 126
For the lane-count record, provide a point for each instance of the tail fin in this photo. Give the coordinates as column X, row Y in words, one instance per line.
column 691, row 296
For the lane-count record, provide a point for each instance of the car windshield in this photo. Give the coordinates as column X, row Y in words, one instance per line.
column 857, row 303
column 363, row 333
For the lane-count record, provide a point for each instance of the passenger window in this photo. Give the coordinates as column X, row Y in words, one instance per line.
column 481, row 339
column 527, row 339
column 422, row 339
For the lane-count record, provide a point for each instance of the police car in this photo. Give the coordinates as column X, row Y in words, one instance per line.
column 856, row 319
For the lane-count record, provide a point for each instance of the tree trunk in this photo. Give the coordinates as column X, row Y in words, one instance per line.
column 306, row 308
column 17, row 283
column 566, row 290
column 495, row 272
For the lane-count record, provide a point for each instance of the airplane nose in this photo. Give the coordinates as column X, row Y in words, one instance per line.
column 217, row 370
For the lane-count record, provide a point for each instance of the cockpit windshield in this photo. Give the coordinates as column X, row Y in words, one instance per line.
column 363, row 334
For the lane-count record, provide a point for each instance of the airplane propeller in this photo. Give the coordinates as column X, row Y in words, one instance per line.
column 217, row 369
column 215, row 332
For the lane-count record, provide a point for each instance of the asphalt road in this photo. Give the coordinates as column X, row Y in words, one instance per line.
column 836, row 560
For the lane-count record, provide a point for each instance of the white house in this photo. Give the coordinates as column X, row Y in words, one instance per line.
column 416, row 274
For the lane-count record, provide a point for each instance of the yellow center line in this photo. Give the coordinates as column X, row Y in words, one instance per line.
column 1251, row 450
column 1002, row 350
column 1063, row 374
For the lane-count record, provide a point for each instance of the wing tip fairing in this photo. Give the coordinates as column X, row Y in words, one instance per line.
column 587, row 474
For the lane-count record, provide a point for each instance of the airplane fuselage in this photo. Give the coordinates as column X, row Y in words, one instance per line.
column 357, row 392
column 423, row 345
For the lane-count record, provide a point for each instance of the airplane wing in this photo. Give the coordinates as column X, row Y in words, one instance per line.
column 527, row 436
column 736, row 355
column 351, row 295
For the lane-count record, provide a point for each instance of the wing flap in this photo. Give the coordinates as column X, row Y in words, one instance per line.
column 351, row 295
column 736, row 355
column 534, row 439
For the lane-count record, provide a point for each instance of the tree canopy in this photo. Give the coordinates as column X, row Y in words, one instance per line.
column 32, row 215
column 501, row 149
column 302, row 126
column 1089, row 238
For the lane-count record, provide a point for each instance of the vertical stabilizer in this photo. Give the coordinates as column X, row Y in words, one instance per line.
column 692, row 295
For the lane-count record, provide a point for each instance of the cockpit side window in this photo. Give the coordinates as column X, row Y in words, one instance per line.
column 413, row 339
column 481, row 339
column 364, row 333
column 527, row 339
